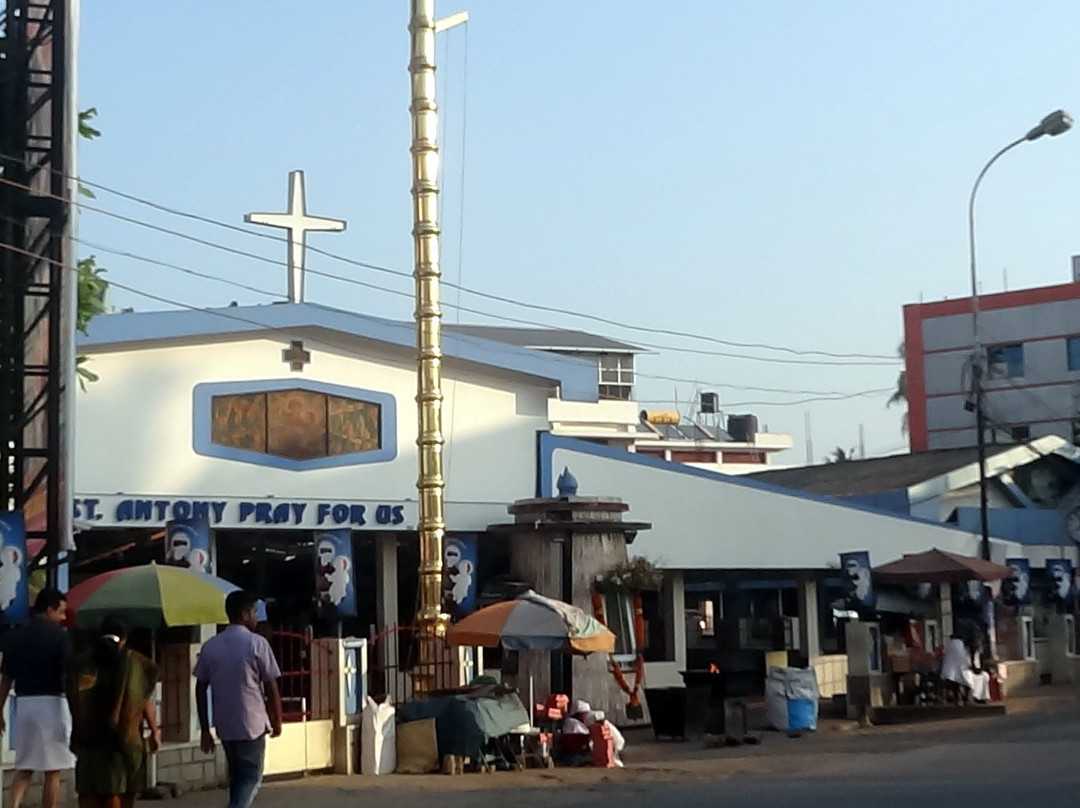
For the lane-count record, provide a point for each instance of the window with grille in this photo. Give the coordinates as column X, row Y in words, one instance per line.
column 616, row 376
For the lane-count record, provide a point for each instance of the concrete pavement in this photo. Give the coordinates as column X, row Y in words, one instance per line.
column 1027, row 756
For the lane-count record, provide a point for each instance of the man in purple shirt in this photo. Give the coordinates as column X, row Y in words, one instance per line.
column 238, row 668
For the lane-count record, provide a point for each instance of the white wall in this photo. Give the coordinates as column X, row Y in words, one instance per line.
column 135, row 430
column 1047, row 392
column 706, row 522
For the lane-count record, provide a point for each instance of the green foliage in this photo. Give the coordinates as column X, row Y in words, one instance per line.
column 84, row 373
column 93, row 288
column 85, row 129
column 637, row 574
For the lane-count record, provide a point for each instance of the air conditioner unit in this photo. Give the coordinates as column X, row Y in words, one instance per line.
column 710, row 403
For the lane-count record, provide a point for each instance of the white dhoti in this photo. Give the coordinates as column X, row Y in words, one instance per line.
column 957, row 662
column 42, row 734
column 978, row 684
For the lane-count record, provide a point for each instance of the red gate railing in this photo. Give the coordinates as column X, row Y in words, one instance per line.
column 394, row 666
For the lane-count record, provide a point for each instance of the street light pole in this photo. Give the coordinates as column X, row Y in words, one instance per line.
column 1056, row 123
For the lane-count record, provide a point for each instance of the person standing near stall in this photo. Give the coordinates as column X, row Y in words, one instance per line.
column 35, row 659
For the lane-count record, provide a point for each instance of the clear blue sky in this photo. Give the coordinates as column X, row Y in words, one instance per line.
column 787, row 173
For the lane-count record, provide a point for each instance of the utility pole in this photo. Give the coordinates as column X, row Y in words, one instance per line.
column 809, row 439
column 427, row 273
column 1054, row 124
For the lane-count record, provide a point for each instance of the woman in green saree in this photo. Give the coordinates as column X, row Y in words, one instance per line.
column 110, row 690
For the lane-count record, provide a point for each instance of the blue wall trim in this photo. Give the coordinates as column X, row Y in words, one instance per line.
column 549, row 443
column 203, row 393
column 576, row 378
column 1028, row 526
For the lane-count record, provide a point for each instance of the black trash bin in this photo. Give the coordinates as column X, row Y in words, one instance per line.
column 667, row 710
column 705, row 694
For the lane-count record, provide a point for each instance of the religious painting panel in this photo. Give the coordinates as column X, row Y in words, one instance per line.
column 352, row 426
column 239, row 421
column 296, row 424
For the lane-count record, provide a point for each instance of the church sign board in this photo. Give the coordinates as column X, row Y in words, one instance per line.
column 234, row 512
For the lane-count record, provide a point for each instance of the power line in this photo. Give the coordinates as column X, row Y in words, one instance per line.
column 315, row 342
column 728, row 386
column 187, row 270
column 815, row 399
column 479, row 312
column 290, row 331
column 884, row 359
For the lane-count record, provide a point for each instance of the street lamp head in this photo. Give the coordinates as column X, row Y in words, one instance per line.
column 1056, row 123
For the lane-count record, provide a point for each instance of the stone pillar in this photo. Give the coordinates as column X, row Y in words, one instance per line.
column 674, row 599
column 809, row 632
column 386, row 593
column 590, row 534
column 945, row 602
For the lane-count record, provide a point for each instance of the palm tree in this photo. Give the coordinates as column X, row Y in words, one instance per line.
column 899, row 396
column 841, row 455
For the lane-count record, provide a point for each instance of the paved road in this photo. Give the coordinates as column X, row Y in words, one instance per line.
column 1001, row 762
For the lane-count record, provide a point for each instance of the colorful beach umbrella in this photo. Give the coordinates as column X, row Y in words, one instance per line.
column 150, row 596
column 533, row 623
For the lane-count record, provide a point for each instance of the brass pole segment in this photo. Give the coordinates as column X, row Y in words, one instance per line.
column 427, row 273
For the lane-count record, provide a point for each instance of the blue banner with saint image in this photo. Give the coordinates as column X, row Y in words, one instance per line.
column 187, row 544
column 858, row 587
column 335, row 585
column 460, row 584
column 1016, row 591
column 14, row 588
column 1060, row 572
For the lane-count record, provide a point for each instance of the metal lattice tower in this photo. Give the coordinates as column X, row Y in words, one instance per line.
column 37, row 288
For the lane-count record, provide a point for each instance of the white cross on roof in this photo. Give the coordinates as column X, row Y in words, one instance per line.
column 299, row 224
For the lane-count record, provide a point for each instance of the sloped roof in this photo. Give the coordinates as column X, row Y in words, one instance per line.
column 555, row 338
column 576, row 377
column 875, row 475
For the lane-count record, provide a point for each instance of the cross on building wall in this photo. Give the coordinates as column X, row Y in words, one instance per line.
column 298, row 224
column 295, row 355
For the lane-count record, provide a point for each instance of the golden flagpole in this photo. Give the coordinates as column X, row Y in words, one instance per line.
column 431, row 485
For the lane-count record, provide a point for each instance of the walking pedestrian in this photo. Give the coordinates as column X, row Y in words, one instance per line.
column 240, row 672
column 35, row 660
column 111, row 690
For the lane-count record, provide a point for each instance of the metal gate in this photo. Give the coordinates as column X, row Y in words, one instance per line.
column 308, row 685
column 395, row 667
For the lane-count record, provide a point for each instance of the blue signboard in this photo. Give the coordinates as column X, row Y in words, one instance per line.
column 1060, row 572
column 460, row 575
column 335, row 585
column 187, row 544
column 14, row 591
column 1016, row 591
column 858, row 588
